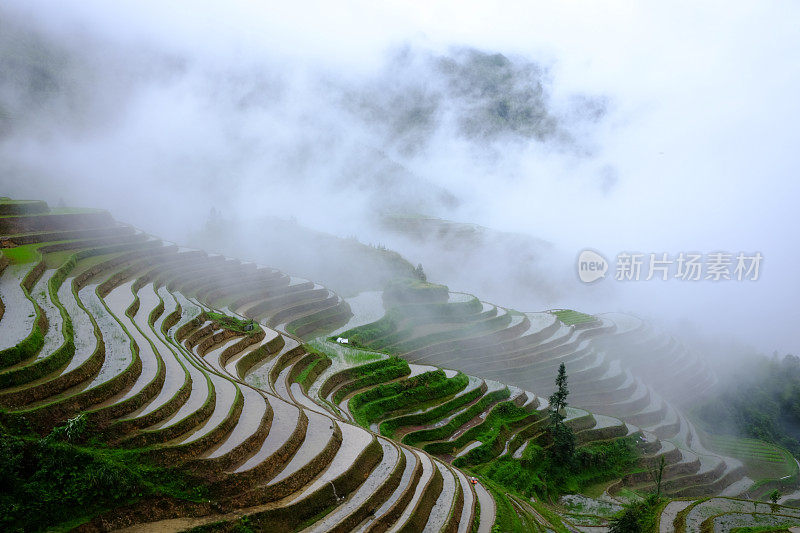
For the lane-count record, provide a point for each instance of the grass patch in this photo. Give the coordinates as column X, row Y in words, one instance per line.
column 245, row 327
column 534, row 474
column 55, row 483
column 22, row 254
column 570, row 317
column 303, row 376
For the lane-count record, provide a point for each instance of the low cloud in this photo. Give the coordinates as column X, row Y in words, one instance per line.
column 556, row 128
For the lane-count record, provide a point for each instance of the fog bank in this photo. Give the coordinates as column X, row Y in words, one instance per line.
column 619, row 127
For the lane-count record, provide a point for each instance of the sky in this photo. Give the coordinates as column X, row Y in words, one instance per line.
column 676, row 128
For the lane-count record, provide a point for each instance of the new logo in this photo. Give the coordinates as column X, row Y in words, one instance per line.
column 591, row 266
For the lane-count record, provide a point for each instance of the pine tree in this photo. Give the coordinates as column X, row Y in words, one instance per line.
column 563, row 448
column 419, row 273
column 558, row 400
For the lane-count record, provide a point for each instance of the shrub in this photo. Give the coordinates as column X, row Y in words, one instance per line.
column 49, row 483
column 637, row 517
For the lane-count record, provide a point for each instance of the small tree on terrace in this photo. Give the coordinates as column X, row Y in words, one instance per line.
column 419, row 273
column 563, row 448
column 774, row 496
column 658, row 474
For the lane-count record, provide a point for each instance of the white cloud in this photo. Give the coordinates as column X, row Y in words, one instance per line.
column 700, row 134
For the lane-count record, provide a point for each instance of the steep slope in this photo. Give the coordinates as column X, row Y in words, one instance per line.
column 196, row 364
column 616, row 366
column 151, row 354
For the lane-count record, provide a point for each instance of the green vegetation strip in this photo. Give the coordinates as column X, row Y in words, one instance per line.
column 363, row 335
column 570, row 317
column 501, row 415
column 372, row 374
column 389, row 427
column 376, row 403
column 444, row 431
column 315, row 365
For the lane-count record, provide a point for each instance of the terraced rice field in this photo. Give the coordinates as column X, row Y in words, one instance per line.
column 724, row 514
column 151, row 344
column 153, row 366
column 764, row 461
column 613, row 371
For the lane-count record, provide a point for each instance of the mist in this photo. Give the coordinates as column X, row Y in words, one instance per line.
column 546, row 130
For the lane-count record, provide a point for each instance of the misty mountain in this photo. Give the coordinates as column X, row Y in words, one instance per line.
column 485, row 97
column 512, row 268
column 359, row 138
column 343, row 264
column 34, row 73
